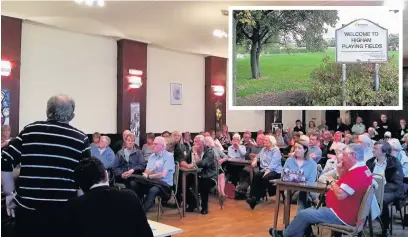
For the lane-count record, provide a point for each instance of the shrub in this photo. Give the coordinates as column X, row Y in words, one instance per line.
column 359, row 89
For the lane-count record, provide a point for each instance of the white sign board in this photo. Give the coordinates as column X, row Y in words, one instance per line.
column 361, row 41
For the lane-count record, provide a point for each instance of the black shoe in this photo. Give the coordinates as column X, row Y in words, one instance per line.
column 252, row 202
column 386, row 233
column 275, row 233
column 204, row 211
column 190, row 209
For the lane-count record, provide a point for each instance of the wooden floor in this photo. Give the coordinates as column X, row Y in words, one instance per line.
column 238, row 220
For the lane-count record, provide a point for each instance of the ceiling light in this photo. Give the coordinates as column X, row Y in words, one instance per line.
column 394, row 4
column 100, row 3
column 220, row 33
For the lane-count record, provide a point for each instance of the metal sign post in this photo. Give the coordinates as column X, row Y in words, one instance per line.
column 377, row 77
column 343, row 82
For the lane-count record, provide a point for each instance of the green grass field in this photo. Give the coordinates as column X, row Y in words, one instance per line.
column 281, row 72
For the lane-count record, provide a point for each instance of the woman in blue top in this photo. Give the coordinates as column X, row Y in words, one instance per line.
column 270, row 167
column 299, row 161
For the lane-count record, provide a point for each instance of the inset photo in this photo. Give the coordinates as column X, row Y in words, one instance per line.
column 315, row 58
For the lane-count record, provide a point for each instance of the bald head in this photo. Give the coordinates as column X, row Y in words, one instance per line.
column 125, row 134
column 61, row 108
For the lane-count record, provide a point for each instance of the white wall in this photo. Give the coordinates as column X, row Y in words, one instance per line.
column 242, row 120
column 165, row 67
column 315, row 115
column 289, row 118
column 55, row 61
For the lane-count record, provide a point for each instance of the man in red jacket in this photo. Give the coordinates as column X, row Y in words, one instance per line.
column 348, row 192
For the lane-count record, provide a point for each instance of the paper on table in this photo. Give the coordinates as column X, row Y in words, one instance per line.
column 153, row 229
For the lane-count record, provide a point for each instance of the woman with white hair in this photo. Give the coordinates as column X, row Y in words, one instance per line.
column 367, row 143
column 400, row 154
column 267, row 166
column 221, row 157
column 237, row 151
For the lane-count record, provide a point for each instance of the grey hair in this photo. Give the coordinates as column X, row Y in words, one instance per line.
column 236, row 135
column 358, row 150
column 161, row 140
column 271, row 139
column 201, row 137
column 108, row 140
column 209, row 141
column 61, row 108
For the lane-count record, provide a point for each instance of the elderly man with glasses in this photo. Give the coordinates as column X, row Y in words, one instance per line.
column 348, row 192
column 157, row 179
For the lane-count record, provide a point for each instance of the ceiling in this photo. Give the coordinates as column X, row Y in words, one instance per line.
column 185, row 26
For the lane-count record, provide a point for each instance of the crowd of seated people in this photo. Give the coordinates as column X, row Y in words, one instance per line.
column 293, row 148
column 315, row 150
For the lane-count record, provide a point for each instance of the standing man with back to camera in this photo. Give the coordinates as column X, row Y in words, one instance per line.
column 48, row 151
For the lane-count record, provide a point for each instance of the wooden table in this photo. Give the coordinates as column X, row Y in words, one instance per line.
column 293, row 187
column 184, row 173
column 247, row 163
column 162, row 230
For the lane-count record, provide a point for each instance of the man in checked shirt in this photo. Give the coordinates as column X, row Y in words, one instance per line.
column 48, row 153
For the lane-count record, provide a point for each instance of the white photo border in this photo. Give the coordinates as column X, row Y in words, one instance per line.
column 230, row 78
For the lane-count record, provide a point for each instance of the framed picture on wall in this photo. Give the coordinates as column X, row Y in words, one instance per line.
column 135, row 121
column 176, row 93
column 276, row 126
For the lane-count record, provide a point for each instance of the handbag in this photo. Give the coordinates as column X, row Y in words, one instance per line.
column 230, row 190
column 296, row 176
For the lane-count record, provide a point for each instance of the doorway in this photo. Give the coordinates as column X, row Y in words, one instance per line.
column 331, row 118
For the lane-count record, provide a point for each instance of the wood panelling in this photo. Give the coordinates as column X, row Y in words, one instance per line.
column 131, row 55
column 11, row 51
column 215, row 74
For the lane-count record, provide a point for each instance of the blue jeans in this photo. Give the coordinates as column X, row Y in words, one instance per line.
column 308, row 217
column 149, row 198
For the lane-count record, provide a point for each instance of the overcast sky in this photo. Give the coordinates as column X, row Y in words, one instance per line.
column 389, row 20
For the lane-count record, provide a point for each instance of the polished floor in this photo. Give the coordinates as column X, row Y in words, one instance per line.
column 236, row 219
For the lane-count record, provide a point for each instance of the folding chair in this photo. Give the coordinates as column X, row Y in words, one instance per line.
column 363, row 213
column 172, row 195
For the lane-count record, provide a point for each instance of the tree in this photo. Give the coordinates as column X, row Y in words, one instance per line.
column 262, row 27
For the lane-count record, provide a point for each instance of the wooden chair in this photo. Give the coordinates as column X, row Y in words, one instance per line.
column 172, row 195
column 363, row 213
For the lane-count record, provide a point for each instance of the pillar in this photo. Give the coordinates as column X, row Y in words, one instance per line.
column 215, row 106
column 132, row 55
column 11, row 51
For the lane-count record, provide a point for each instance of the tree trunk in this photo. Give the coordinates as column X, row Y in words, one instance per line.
column 255, row 60
column 258, row 54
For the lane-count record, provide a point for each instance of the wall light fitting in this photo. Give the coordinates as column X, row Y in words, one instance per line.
column 218, row 90
column 135, row 78
column 5, row 68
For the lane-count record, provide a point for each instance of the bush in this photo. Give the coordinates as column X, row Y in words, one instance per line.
column 359, row 90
